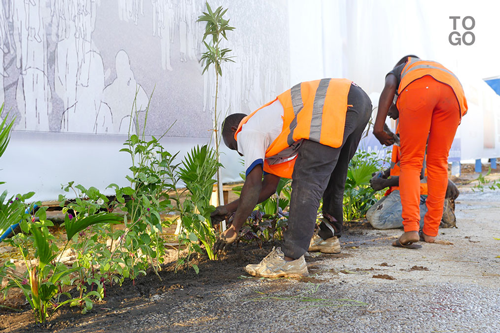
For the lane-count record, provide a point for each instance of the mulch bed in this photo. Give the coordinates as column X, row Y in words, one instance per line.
column 213, row 276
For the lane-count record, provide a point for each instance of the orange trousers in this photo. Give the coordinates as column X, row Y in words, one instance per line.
column 428, row 114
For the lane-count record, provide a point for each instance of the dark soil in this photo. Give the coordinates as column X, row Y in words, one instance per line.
column 383, row 276
column 134, row 298
column 419, row 268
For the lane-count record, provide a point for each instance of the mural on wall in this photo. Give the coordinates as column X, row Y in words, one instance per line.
column 79, row 66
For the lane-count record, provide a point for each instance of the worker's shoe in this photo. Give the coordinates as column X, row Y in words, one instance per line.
column 275, row 265
column 330, row 245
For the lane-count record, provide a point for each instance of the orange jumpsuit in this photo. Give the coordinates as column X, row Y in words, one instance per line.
column 431, row 103
column 396, row 170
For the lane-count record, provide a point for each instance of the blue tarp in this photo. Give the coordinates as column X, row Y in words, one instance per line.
column 494, row 84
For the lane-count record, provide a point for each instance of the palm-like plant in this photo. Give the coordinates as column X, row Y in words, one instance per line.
column 216, row 27
column 5, row 133
column 11, row 209
column 197, row 172
column 358, row 195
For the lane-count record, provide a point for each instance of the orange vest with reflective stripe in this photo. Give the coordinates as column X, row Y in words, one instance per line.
column 313, row 110
column 416, row 68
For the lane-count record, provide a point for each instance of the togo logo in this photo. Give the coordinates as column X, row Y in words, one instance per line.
column 468, row 37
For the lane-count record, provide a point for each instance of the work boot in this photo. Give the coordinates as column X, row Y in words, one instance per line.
column 274, row 265
column 330, row 245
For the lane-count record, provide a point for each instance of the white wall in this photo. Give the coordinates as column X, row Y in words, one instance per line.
column 42, row 162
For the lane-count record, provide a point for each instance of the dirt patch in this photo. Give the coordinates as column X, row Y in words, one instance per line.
column 384, row 264
column 364, row 269
column 184, row 284
column 418, row 268
column 383, row 276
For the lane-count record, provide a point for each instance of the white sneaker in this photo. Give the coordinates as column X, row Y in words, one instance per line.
column 274, row 265
column 330, row 245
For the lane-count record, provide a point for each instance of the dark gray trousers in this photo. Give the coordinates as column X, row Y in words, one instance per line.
column 321, row 171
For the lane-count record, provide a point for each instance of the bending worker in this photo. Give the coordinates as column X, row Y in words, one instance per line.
column 309, row 133
column 431, row 103
column 386, row 213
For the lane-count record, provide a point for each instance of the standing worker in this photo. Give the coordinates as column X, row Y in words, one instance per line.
column 386, row 213
column 431, row 103
column 309, row 133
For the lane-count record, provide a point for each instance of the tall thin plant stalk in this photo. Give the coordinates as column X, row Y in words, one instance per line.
column 216, row 27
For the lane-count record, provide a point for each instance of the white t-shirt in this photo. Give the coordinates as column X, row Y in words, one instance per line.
column 258, row 134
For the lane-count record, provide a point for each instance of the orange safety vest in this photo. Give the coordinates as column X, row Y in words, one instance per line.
column 313, row 110
column 416, row 69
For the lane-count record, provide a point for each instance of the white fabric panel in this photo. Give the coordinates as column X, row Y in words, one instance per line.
column 42, row 162
column 363, row 39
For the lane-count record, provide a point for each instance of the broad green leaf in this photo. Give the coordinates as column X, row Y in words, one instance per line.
column 76, row 225
column 56, row 277
column 42, row 247
column 47, row 291
column 146, row 239
column 134, row 139
column 128, row 191
column 193, row 237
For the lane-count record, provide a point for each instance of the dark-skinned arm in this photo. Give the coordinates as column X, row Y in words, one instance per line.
column 378, row 183
column 384, row 104
column 253, row 190
column 269, row 185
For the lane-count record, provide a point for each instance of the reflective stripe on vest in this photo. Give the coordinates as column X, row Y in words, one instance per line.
column 317, row 110
column 313, row 110
column 416, row 69
column 404, row 72
column 297, row 105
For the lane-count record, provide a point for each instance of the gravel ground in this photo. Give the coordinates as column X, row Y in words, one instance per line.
column 392, row 307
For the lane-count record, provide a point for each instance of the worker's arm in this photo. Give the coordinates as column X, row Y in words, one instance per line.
column 384, row 104
column 250, row 195
column 378, row 183
column 268, row 188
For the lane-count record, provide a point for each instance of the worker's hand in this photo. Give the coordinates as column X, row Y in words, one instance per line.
column 378, row 183
column 382, row 174
column 384, row 138
column 452, row 190
column 227, row 237
column 219, row 214
column 393, row 112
